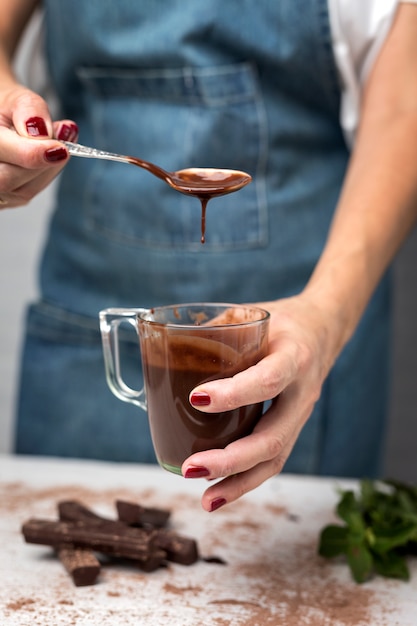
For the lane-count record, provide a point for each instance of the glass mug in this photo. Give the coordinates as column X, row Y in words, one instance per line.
column 181, row 347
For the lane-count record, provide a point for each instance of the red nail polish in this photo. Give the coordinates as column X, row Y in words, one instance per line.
column 217, row 503
column 196, row 472
column 200, row 398
column 68, row 132
column 36, row 127
column 55, row 154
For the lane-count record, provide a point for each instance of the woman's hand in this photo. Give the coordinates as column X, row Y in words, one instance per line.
column 301, row 353
column 30, row 157
column 376, row 209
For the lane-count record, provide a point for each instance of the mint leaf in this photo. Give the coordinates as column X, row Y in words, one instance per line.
column 333, row 541
column 390, row 538
column 379, row 531
column 349, row 511
column 360, row 561
column 392, row 565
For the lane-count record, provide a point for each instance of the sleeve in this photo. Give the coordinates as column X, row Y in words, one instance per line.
column 358, row 33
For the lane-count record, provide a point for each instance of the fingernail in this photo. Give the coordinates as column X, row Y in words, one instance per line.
column 196, row 472
column 68, row 132
column 36, row 127
column 55, row 154
column 200, row 398
column 217, row 503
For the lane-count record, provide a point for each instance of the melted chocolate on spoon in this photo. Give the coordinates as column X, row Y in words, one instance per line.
column 203, row 183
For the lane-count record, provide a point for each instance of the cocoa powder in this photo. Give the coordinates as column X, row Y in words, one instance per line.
column 268, row 580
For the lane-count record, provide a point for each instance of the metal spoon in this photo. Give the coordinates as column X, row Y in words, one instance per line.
column 205, row 183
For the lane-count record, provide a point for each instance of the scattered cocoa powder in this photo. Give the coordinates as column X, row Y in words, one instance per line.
column 21, row 603
column 301, row 590
column 265, row 582
column 170, row 588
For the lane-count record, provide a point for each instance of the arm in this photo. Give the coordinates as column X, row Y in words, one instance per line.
column 378, row 204
column 27, row 165
column 14, row 16
column 376, row 210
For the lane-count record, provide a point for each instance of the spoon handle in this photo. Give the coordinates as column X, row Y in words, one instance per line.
column 76, row 149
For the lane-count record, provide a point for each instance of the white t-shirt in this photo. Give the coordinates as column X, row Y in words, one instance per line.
column 359, row 28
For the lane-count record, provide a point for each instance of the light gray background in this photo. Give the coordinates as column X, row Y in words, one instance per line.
column 401, row 453
column 21, row 235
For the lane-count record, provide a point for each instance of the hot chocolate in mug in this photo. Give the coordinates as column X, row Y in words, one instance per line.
column 183, row 346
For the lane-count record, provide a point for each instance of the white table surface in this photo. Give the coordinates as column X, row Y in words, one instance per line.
column 273, row 574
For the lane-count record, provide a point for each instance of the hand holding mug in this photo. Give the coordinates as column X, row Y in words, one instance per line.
column 183, row 346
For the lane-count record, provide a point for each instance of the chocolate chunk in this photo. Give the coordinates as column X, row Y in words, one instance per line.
column 214, row 559
column 107, row 537
column 81, row 564
column 182, row 550
column 157, row 558
column 74, row 511
column 137, row 536
column 137, row 515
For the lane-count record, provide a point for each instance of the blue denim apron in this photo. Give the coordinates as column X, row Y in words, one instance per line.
column 237, row 84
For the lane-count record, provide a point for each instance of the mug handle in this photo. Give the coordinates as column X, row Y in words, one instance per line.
column 110, row 320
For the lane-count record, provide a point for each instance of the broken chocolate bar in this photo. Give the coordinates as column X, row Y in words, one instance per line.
column 177, row 549
column 137, row 515
column 137, row 536
column 81, row 565
column 182, row 550
column 108, row 537
column 157, row 558
column 74, row 511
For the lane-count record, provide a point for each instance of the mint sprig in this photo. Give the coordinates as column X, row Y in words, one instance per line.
column 379, row 530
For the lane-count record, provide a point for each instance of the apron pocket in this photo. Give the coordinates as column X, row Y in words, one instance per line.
column 176, row 118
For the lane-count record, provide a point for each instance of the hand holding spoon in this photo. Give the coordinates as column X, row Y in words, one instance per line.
column 194, row 181
column 204, row 183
